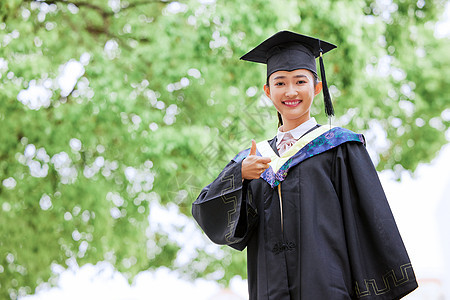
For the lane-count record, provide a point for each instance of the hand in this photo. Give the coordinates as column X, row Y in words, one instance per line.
column 253, row 166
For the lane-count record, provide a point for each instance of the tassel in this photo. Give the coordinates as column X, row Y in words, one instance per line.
column 326, row 93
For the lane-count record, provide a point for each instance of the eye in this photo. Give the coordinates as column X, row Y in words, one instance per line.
column 279, row 83
column 301, row 81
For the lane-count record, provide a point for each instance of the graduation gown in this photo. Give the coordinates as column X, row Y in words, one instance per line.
column 317, row 227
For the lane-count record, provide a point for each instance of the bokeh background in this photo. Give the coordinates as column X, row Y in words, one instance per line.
column 114, row 114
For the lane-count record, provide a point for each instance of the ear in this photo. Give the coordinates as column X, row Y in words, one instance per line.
column 267, row 91
column 318, row 88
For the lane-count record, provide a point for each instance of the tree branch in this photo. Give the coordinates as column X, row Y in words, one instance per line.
column 101, row 10
column 138, row 3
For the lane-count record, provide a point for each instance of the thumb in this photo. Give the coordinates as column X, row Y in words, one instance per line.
column 253, row 149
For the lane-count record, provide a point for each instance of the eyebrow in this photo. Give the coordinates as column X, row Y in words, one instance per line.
column 282, row 76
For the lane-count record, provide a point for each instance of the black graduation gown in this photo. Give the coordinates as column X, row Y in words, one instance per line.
column 335, row 237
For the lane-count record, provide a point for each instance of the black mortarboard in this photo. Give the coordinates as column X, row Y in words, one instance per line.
column 289, row 51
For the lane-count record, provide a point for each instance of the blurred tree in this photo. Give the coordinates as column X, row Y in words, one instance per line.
column 108, row 106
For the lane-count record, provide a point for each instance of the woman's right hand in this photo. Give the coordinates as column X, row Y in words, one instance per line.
column 253, row 166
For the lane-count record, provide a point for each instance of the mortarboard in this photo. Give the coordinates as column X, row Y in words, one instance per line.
column 288, row 51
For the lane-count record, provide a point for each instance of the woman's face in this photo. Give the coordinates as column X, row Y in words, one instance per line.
column 292, row 94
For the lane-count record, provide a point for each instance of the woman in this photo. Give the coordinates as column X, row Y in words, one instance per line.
column 307, row 204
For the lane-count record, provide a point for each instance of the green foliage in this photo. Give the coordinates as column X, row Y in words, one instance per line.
column 163, row 103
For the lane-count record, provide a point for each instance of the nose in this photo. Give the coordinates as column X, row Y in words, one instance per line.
column 290, row 91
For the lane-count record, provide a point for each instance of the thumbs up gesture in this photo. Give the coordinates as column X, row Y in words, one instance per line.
column 253, row 166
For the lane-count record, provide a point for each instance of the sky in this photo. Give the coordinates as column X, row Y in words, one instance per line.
column 415, row 201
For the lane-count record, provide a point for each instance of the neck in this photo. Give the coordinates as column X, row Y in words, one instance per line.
column 291, row 124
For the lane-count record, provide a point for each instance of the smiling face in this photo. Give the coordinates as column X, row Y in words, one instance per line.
column 292, row 94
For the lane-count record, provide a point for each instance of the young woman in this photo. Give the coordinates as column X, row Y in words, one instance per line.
column 307, row 204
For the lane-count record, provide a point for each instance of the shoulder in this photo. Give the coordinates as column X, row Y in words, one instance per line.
column 342, row 135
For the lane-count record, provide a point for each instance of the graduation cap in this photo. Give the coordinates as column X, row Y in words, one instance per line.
column 289, row 51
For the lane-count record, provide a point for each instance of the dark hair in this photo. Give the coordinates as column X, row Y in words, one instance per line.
column 280, row 120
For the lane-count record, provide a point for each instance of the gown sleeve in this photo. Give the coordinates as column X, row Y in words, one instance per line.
column 380, row 266
column 224, row 209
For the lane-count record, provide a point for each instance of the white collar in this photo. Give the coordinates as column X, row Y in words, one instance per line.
column 298, row 131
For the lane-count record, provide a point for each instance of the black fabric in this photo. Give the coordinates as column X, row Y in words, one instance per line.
column 290, row 57
column 339, row 238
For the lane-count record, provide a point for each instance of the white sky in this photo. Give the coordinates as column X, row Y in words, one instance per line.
column 414, row 203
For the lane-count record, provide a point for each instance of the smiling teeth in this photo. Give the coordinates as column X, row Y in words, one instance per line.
column 291, row 102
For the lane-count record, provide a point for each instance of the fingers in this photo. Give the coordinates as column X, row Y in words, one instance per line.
column 265, row 160
column 253, row 166
column 253, row 148
column 263, row 166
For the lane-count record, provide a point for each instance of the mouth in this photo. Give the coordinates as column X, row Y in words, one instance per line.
column 292, row 103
